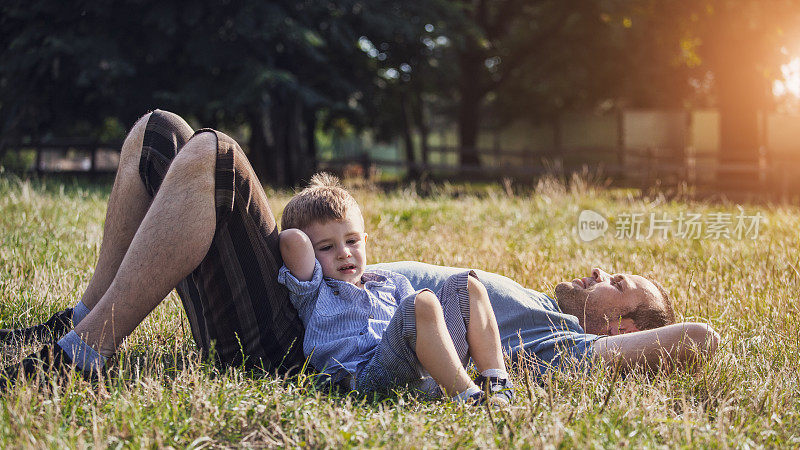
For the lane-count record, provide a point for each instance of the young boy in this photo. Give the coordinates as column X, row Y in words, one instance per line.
column 370, row 329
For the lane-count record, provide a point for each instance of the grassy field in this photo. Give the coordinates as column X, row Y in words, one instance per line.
column 748, row 396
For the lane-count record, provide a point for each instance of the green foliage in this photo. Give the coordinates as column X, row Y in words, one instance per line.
column 163, row 395
column 274, row 66
column 534, row 59
column 288, row 69
column 683, row 48
column 20, row 161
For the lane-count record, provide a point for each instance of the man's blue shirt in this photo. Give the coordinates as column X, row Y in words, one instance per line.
column 532, row 327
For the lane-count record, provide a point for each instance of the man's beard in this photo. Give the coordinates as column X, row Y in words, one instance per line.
column 573, row 301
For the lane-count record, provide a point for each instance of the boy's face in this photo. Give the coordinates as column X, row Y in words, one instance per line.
column 340, row 246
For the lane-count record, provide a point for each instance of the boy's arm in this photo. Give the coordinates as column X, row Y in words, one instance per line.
column 297, row 253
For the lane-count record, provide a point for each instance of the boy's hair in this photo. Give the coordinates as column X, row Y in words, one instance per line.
column 323, row 200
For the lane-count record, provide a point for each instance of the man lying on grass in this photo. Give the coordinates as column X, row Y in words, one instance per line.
column 625, row 320
column 187, row 212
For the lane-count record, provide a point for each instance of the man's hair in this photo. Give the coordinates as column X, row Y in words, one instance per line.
column 323, row 200
column 650, row 315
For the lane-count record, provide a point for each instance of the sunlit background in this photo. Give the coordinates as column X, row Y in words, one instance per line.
column 693, row 93
column 788, row 88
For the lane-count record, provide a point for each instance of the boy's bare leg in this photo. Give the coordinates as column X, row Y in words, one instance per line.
column 127, row 205
column 483, row 335
column 171, row 241
column 435, row 349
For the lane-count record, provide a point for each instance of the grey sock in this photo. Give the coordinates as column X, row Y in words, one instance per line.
column 79, row 311
column 85, row 357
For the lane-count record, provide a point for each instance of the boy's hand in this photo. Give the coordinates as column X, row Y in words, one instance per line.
column 297, row 253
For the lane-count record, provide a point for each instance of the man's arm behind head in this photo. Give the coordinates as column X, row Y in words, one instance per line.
column 687, row 345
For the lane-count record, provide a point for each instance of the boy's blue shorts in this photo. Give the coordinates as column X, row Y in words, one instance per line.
column 395, row 361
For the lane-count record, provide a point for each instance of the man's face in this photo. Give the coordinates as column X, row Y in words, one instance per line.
column 600, row 300
column 340, row 246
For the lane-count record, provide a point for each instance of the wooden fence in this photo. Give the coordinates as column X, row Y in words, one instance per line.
column 67, row 156
column 636, row 167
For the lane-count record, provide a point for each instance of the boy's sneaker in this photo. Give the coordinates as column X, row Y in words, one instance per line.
column 499, row 390
column 476, row 399
column 55, row 327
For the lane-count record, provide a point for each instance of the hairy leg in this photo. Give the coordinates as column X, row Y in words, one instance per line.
column 483, row 335
column 171, row 241
column 435, row 349
column 127, row 205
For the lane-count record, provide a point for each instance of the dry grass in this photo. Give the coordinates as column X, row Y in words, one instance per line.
column 748, row 396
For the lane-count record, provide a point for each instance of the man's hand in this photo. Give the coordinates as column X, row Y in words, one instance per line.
column 297, row 253
column 681, row 345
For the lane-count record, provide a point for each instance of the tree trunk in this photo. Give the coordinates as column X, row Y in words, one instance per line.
column 294, row 143
column 471, row 95
column 422, row 126
column 739, row 136
column 278, row 126
column 742, row 91
column 310, row 119
column 468, row 119
column 262, row 151
column 408, row 139
column 294, row 158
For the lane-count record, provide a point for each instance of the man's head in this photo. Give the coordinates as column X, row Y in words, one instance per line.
column 331, row 218
column 615, row 304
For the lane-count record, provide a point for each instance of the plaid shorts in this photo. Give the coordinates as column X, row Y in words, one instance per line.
column 237, row 310
column 395, row 361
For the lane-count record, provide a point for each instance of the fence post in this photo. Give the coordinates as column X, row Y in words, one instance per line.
column 365, row 164
column 38, row 159
column 93, row 161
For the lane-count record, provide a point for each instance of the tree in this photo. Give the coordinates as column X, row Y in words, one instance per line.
column 491, row 43
column 730, row 52
column 408, row 70
column 275, row 66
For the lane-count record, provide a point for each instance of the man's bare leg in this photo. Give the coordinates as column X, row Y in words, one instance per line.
column 171, row 241
column 127, row 205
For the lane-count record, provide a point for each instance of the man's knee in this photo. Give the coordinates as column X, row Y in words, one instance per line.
column 132, row 146
column 427, row 306
column 172, row 128
column 140, row 124
column 197, row 157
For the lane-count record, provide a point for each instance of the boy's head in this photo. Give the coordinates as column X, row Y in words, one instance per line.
column 331, row 218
